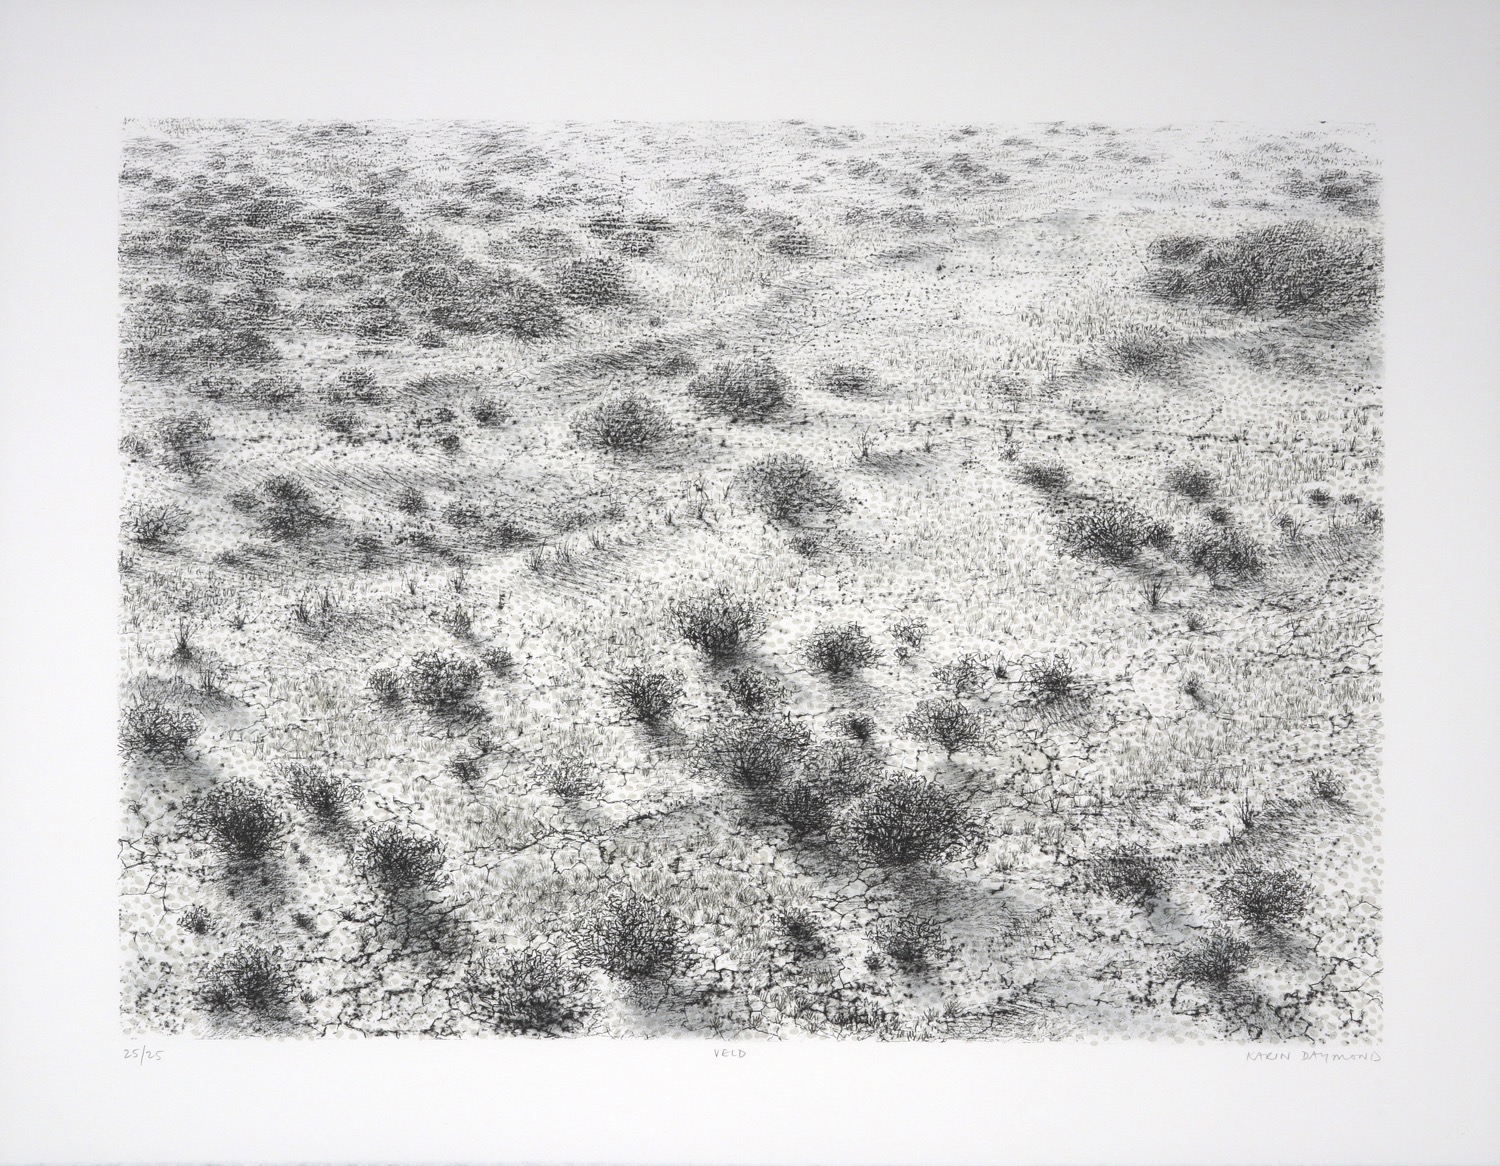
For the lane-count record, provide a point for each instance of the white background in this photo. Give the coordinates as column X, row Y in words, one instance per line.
column 69, row 72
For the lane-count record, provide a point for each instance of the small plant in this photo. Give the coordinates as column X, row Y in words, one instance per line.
column 754, row 751
column 1327, row 788
column 907, row 820
column 750, row 389
column 571, row 778
column 1262, row 897
column 398, row 860
column 840, row 650
column 625, row 422
column 197, row 920
column 632, row 936
column 848, row 380
column 356, row 384
column 910, row 631
column 531, row 991
column 1193, row 482
column 963, row 676
column 1216, row 959
column 1154, row 587
column 341, row 423
column 787, row 488
column 1113, row 532
column 859, row 727
column 385, row 686
column 155, row 526
column 247, row 979
column 752, row 691
column 441, row 683
column 1050, row 477
column 153, row 729
column 409, row 500
column 287, row 510
column 799, row 926
column 241, row 820
column 647, row 697
column 322, row 795
column 1225, row 554
column 489, row 412
column 182, row 439
column 1053, row 683
column 1131, row 874
column 499, row 661
column 910, row 942
column 718, row 622
column 947, row 723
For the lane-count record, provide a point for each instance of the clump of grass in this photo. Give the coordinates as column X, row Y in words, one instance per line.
column 440, row 683
column 1113, row 532
column 786, row 488
column 840, row 650
column 154, row 526
column 752, row 691
column 623, row 422
column 1215, row 960
column 647, row 697
column 535, row 991
column 1226, row 554
column 1143, row 351
column 799, row 926
column 286, row 509
column 571, row 778
column 1050, row 477
column 632, row 936
column 1195, row 483
column 719, row 623
column 754, row 751
column 1263, row 897
column 1130, row 873
column 848, row 380
column 397, row 860
column 489, row 411
column 947, row 723
column 1053, row 683
column 592, row 283
column 962, row 676
column 908, row 820
column 197, row 920
column 241, row 820
column 859, row 727
column 750, row 389
column 182, row 439
column 385, row 686
column 324, row 796
column 248, row 979
column 150, row 728
column 909, row 941
column 910, row 631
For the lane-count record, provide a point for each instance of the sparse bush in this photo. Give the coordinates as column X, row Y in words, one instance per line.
column 1112, row 532
column 842, row 768
column 947, row 723
column 752, row 691
column 397, row 860
column 570, row 778
column 795, row 244
column 624, row 422
column 648, row 697
column 910, row 630
column 1143, row 350
column 197, row 920
column 489, row 412
column 754, row 751
column 499, row 661
column 906, row 820
column 718, row 622
column 786, row 487
column 272, row 392
column 441, row 683
column 910, row 942
column 155, row 526
column 241, row 820
column 1053, row 683
column 752, row 388
column 355, row 384
column 1262, row 897
column 341, row 422
column 247, row 979
column 323, row 795
column 1050, row 477
column 961, row 677
column 840, row 650
column 152, row 729
column 409, row 500
column 1131, row 874
column 1225, row 554
column 531, row 991
column 632, row 936
column 1192, row 482
column 1216, row 959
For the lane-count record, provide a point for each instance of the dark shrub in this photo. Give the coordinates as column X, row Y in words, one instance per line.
column 409, row 500
column 805, row 806
column 385, row 686
column 182, row 439
column 571, row 778
column 1263, row 897
column 859, row 726
column 1225, row 554
column 1131, row 874
column 910, row 942
column 398, row 860
column 840, row 650
column 273, row 392
column 1053, row 683
column 626, row 421
column 247, row 979
column 532, row 991
column 947, row 723
column 962, row 676
column 325, row 797
column 786, row 487
column 752, row 388
column 799, row 926
column 1192, row 482
column 848, row 380
column 1112, row 532
column 632, row 936
column 287, row 510
column 155, row 526
column 1049, row 477
column 906, row 820
column 441, row 683
column 648, row 697
column 1216, row 959
column 718, row 622
column 753, row 751
column 752, row 691
column 241, row 820
column 197, row 919
column 489, row 411
column 592, row 283
column 152, row 729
